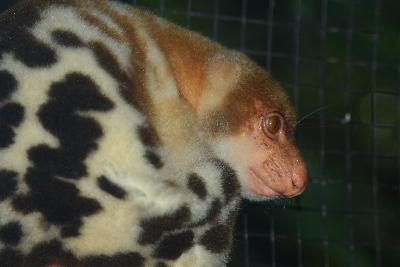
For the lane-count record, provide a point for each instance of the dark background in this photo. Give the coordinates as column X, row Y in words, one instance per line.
column 340, row 58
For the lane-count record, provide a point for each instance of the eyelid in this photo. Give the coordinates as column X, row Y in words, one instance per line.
column 264, row 121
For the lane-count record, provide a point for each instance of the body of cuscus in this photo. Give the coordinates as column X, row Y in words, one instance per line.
column 128, row 141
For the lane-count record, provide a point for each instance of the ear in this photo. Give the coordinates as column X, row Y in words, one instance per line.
column 222, row 75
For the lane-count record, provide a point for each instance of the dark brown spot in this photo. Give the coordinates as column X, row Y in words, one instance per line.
column 217, row 239
column 153, row 228
column 71, row 229
column 8, row 183
column 214, row 211
column 196, row 184
column 50, row 253
column 60, row 202
column 6, row 136
column 132, row 259
column 8, row 84
column 171, row 183
column 11, row 114
column 108, row 61
column 172, row 246
column 11, row 233
column 77, row 134
column 15, row 38
column 32, row 52
column 148, row 136
column 111, row 188
column 230, row 183
column 67, row 38
column 131, row 96
column 23, row 15
column 154, row 159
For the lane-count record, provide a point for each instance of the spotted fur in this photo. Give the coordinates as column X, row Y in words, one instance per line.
column 92, row 173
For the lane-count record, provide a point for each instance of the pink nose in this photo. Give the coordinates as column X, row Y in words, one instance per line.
column 299, row 180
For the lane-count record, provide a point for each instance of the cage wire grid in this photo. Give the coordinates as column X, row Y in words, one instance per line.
column 339, row 61
column 347, row 216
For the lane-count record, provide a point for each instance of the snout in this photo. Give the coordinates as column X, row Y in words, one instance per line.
column 286, row 176
column 277, row 178
column 299, row 180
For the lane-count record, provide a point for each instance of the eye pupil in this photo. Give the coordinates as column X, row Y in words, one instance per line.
column 273, row 124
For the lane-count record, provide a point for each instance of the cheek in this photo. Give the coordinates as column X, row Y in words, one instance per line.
column 239, row 151
column 277, row 165
column 262, row 149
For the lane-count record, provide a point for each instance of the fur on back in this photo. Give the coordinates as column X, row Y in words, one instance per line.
column 101, row 160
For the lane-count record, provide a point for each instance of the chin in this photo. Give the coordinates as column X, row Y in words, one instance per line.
column 259, row 198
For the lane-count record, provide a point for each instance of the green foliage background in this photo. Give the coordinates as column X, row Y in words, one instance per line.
column 342, row 56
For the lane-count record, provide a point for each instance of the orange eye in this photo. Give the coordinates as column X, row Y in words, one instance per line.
column 272, row 124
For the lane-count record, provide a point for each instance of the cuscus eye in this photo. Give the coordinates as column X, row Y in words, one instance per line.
column 272, row 124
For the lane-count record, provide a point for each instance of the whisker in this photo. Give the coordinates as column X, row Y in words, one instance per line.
column 317, row 126
column 310, row 114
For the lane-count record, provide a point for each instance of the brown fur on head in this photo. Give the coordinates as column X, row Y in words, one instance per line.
column 252, row 84
column 191, row 57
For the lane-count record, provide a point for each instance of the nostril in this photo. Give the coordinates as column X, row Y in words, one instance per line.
column 300, row 178
column 294, row 184
column 298, row 182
